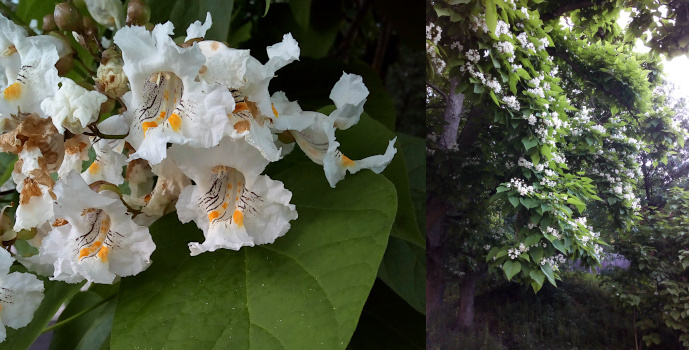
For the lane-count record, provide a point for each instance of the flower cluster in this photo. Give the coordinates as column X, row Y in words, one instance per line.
column 196, row 128
column 520, row 186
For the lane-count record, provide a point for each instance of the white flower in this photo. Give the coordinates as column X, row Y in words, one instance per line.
column 237, row 70
column 20, row 295
column 167, row 104
column 73, row 107
column 98, row 241
column 109, row 158
column 231, row 202
column 29, row 69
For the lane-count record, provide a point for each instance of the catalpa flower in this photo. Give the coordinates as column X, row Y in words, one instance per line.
column 20, row 295
column 230, row 201
column 29, row 69
column 318, row 139
column 96, row 238
column 73, row 107
column 167, row 103
column 109, row 161
column 248, row 80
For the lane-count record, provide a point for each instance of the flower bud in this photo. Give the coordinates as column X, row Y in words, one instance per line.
column 49, row 23
column 110, row 79
column 138, row 13
column 90, row 27
column 64, row 65
column 68, row 18
column 6, row 232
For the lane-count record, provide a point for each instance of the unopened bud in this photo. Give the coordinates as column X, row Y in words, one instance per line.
column 68, row 18
column 138, row 13
column 64, row 65
column 90, row 27
column 110, row 78
column 49, row 23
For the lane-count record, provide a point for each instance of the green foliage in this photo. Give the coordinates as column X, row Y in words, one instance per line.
column 324, row 269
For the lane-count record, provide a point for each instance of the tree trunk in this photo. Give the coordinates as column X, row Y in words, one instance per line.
column 467, row 294
column 452, row 116
column 435, row 274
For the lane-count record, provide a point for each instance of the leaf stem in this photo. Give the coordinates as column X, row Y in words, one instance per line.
column 77, row 315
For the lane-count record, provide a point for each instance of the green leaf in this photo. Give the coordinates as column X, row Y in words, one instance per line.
column 536, row 254
column 537, row 276
column 577, row 203
column 548, row 271
column 456, row 2
column 304, row 291
column 523, row 73
column 301, row 9
column 88, row 331
column 511, row 268
column 545, row 151
column 184, row 12
column 404, row 270
column 414, row 151
column 530, row 202
column 514, row 201
column 56, row 293
column 559, row 245
column 387, row 322
column 529, row 142
column 491, row 15
column 267, row 7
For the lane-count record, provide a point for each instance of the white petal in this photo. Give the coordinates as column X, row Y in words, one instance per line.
column 106, row 12
column 349, row 95
column 336, row 165
column 198, row 30
column 6, row 261
column 20, row 296
column 73, row 107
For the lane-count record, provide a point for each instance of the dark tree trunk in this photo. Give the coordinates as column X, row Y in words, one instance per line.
column 467, row 294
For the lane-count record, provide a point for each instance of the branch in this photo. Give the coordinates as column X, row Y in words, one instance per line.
column 437, row 89
column 566, row 8
column 435, row 106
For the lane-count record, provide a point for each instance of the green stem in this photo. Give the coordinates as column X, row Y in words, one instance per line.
column 77, row 315
column 8, row 172
column 13, row 16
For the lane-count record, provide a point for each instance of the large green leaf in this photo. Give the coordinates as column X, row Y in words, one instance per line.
column 88, row 331
column 367, row 138
column 184, row 12
column 56, row 293
column 404, row 270
column 304, row 291
column 387, row 322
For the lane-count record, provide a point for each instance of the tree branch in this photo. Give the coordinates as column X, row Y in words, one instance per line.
column 437, row 89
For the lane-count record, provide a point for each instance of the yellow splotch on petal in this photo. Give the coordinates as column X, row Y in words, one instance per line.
column 147, row 125
column 346, row 162
column 161, row 116
column 238, row 217
column 175, row 122
column 103, row 254
column 240, row 106
column 13, row 91
column 93, row 168
column 213, row 215
column 242, row 126
column 275, row 111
